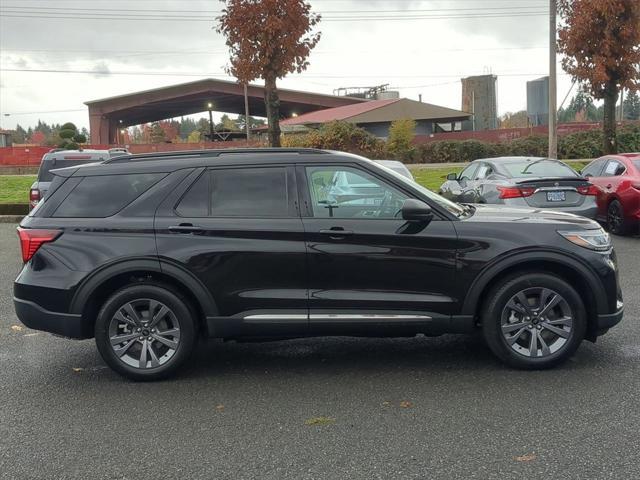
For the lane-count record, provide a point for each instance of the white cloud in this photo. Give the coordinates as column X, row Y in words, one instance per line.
column 424, row 56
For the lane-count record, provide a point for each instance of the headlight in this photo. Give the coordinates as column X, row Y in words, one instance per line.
column 592, row 239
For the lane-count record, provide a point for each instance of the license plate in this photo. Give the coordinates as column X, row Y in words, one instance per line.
column 556, row 197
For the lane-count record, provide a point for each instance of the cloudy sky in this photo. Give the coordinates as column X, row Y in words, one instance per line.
column 57, row 54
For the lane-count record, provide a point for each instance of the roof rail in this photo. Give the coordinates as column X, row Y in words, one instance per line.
column 212, row 153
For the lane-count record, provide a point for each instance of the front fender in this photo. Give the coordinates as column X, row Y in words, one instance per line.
column 495, row 269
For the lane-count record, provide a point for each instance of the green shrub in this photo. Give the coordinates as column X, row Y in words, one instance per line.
column 337, row 135
column 533, row 146
column 400, row 142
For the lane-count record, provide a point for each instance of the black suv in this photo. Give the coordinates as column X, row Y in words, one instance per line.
column 149, row 252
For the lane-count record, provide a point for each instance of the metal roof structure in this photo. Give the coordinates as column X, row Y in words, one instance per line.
column 107, row 115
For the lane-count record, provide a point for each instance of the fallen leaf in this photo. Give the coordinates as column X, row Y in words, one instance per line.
column 220, row 408
column 77, row 369
column 320, row 421
column 16, row 328
column 30, row 334
column 386, row 404
column 406, row 404
column 529, row 457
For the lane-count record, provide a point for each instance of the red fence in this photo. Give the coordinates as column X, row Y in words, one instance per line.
column 507, row 134
column 32, row 155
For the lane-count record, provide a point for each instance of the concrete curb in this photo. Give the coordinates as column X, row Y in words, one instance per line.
column 11, row 218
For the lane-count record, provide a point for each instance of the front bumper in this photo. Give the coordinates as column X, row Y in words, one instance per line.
column 64, row 324
column 607, row 320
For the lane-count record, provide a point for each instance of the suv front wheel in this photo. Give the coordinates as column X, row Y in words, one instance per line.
column 145, row 332
column 534, row 321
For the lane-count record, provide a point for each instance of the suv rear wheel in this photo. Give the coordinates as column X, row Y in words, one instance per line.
column 534, row 321
column 145, row 332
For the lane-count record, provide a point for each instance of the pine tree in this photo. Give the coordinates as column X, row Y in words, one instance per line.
column 632, row 106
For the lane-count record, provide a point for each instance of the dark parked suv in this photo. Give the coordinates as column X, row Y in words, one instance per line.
column 149, row 252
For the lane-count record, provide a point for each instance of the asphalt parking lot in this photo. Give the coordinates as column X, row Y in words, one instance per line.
column 320, row 408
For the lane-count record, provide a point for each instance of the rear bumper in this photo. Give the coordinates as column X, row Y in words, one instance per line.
column 588, row 209
column 608, row 320
column 64, row 324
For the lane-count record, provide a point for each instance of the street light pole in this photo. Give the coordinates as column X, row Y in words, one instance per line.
column 553, row 82
column 210, row 106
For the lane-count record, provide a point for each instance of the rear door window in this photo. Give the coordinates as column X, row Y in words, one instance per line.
column 105, row 195
column 238, row 192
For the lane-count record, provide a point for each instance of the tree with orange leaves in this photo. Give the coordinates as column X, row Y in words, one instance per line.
column 268, row 39
column 600, row 40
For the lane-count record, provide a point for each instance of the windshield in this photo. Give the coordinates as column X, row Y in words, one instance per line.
column 45, row 175
column 454, row 208
column 540, row 168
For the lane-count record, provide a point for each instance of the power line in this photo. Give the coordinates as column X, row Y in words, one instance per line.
column 217, row 74
column 191, row 18
column 218, row 12
column 11, row 114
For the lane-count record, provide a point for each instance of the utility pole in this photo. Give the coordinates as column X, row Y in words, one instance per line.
column 246, row 111
column 553, row 82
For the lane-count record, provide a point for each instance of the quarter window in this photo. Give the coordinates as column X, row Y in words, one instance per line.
column 343, row 192
column 613, row 169
column 105, row 195
column 238, row 192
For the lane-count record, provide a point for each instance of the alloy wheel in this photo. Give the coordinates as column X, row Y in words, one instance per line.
column 614, row 218
column 537, row 322
column 144, row 333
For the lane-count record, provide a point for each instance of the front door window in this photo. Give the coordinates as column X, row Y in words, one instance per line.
column 345, row 192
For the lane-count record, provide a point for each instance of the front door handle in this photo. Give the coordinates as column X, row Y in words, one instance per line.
column 337, row 233
column 185, row 228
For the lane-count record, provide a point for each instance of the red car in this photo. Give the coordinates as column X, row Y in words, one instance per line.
column 618, row 179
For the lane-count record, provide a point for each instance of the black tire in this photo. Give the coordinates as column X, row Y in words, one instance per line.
column 495, row 318
column 178, row 319
column 615, row 219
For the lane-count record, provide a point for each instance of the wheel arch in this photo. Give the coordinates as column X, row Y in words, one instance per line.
column 573, row 271
column 96, row 288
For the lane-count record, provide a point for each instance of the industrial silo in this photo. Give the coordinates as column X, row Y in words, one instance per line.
column 479, row 98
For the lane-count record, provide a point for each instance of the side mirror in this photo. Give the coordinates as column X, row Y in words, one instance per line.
column 452, row 176
column 416, row 211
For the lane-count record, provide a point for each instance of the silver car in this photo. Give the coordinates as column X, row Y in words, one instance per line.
column 397, row 167
column 523, row 182
column 59, row 158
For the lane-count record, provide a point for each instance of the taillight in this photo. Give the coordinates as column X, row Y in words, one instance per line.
column 32, row 239
column 516, row 192
column 588, row 190
column 34, row 197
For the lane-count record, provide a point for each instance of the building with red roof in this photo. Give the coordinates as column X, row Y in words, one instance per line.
column 376, row 116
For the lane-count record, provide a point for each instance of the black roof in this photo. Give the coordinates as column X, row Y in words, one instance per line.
column 171, row 161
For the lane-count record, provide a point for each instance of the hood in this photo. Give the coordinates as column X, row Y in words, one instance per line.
column 503, row 214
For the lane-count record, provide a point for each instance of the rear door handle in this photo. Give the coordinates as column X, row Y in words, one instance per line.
column 185, row 228
column 337, row 233
column 609, row 186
